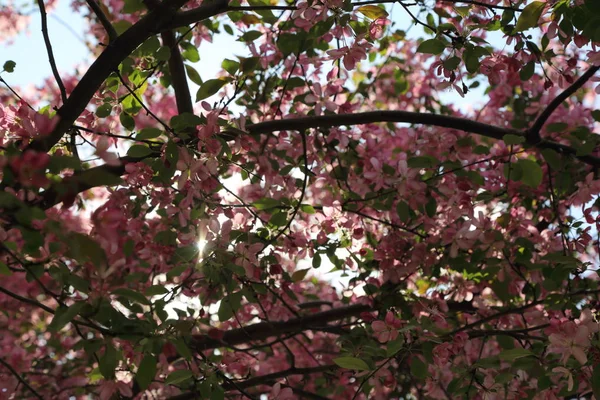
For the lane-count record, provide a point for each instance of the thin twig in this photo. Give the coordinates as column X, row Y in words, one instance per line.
column 20, row 379
column 108, row 27
column 59, row 82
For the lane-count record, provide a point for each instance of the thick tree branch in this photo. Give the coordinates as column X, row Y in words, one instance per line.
column 533, row 133
column 264, row 330
column 155, row 21
column 178, row 75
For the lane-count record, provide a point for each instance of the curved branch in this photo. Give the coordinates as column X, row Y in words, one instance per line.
column 108, row 27
column 155, row 21
column 533, row 133
column 264, row 330
column 20, row 379
column 45, row 34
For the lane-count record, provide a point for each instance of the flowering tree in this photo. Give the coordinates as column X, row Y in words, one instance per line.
column 158, row 245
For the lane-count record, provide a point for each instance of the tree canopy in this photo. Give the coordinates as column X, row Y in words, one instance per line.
column 322, row 219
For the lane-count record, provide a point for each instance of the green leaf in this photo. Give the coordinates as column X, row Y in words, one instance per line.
column 163, row 54
column 403, row 211
column 532, row 173
column 297, row 276
column 9, row 66
column 418, row 368
column 178, row 376
column 84, row 249
column 422, row 162
column 372, row 12
column 127, row 121
column 431, row 46
column 156, row 290
column 98, row 177
column 527, row 71
column 208, row 88
column 104, row 110
column 266, row 203
column 230, row 66
column 182, row 349
column 64, row 315
column 351, row 363
column 193, row 74
column 596, row 115
column 552, row 158
column 148, row 133
column 186, row 253
column 513, row 354
column 529, row 16
column 132, row 295
column 139, row 150
column 280, row 218
column 146, row 371
column 511, row 139
column 307, row 209
column 108, row 362
column 4, row 270
column 190, row 52
column 394, row 346
column 596, row 381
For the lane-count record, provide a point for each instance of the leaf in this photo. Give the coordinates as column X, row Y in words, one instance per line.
column 108, row 362
column 98, row 177
column 64, row 315
column 163, row 54
column 9, row 66
column 186, row 253
column 372, row 12
column 351, row 363
column 148, row 133
column 529, row 16
column 431, row 46
column 190, row 52
column 532, row 173
column 146, row 371
column 230, row 66
column 421, row 162
column 127, row 121
column 418, row 368
column 552, row 158
column 596, row 381
column 280, row 218
column 208, row 88
column 297, row 276
column 513, row 354
column 403, row 211
column 193, row 74
column 178, row 376
column 182, row 349
column 527, row 71
column 132, row 295
column 265, row 204
column 307, row 209
column 511, row 139
column 4, row 270
column 83, row 248
column 139, row 151
column 104, row 110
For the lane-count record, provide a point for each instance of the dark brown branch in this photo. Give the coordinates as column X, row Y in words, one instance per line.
column 108, row 27
column 479, row 3
column 264, row 330
column 268, row 379
column 45, row 34
column 20, row 379
column 155, row 21
column 533, row 133
column 178, row 75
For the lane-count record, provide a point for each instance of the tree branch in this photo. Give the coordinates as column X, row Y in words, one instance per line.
column 108, row 27
column 20, row 379
column 59, row 82
column 263, row 379
column 178, row 75
column 533, row 133
column 264, row 330
column 155, row 21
